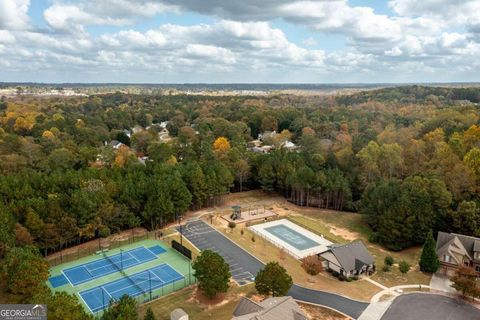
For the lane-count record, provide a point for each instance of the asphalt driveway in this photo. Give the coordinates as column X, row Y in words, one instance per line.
column 424, row 306
column 244, row 267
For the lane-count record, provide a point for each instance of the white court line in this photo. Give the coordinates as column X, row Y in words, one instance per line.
column 86, row 303
column 150, row 270
column 131, row 255
column 152, row 253
column 67, row 279
column 103, row 288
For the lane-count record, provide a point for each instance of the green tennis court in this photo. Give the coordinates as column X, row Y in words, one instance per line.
column 123, row 271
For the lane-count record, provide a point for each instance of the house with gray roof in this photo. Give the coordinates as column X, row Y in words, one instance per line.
column 456, row 250
column 275, row 308
column 348, row 260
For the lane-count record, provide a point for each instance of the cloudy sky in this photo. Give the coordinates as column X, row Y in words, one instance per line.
column 289, row 41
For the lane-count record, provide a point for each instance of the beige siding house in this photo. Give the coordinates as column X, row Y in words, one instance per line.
column 455, row 250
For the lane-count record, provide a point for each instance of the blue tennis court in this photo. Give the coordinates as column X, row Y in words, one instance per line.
column 101, row 267
column 136, row 284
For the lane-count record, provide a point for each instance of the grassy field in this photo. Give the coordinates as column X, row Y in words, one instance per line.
column 186, row 299
column 340, row 227
column 320, row 222
column 265, row 251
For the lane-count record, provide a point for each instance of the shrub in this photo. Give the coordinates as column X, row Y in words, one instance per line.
column 403, row 266
column 389, row 261
column 232, row 225
column 253, row 238
column 373, row 238
column 242, row 232
column 386, row 268
column 349, row 280
column 342, row 277
column 312, row 265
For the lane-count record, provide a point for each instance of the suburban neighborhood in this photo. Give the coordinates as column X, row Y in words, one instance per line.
column 239, row 160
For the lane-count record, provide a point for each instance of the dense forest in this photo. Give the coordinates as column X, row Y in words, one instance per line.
column 407, row 158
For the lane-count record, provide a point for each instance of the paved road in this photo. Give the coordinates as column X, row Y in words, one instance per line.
column 430, row 307
column 244, row 266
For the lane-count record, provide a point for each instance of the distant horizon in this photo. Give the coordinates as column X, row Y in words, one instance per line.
column 242, row 83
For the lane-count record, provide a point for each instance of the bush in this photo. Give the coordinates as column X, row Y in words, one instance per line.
column 312, row 265
column 403, row 266
column 386, row 268
column 389, row 261
column 242, row 232
column 232, row 225
column 373, row 238
column 253, row 238
column 342, row 277
column 349, row 280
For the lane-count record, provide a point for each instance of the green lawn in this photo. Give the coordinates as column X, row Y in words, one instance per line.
column 321, row 220
column 185, row 299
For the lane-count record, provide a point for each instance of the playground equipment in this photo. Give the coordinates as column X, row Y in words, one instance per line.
column 237, row 212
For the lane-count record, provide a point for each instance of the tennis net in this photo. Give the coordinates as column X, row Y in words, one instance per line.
column 120, row 269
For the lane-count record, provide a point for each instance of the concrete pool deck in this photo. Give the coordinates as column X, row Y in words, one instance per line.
column 297, row 241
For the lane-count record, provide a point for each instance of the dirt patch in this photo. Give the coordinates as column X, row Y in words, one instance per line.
column 218, row 300
column 344, row 233
column 317, row 313
column 387, row 297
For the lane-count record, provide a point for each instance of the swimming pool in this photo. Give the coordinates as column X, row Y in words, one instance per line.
column 294, row 239
column 291, row 237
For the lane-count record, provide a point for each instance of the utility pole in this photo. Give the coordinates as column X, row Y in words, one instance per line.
column 150, row 284
column 181, row 235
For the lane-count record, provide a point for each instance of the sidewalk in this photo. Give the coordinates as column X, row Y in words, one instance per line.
column 393, row 290
column 375, row 310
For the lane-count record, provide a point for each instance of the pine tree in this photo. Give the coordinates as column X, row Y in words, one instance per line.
column 429, row 260
column 149, row 315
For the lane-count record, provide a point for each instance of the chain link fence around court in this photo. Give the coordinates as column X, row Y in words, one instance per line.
column 149, row 295
column 96, row 246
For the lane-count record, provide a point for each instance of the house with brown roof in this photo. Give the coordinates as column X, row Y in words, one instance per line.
column 275, row 308
column 455, row 250
column 348, row 260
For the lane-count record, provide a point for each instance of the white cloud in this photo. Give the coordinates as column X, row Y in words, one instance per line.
column 6, row 37
column 72, row 16
column 14, row 14
column 416, row 36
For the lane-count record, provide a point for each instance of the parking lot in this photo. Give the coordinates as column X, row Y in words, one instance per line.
column 243, row 266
